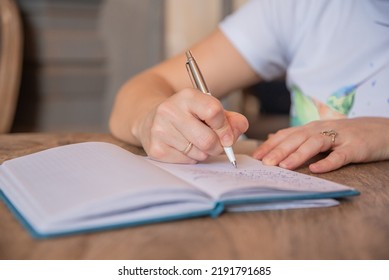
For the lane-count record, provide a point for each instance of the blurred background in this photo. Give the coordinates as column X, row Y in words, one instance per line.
column 77, row 54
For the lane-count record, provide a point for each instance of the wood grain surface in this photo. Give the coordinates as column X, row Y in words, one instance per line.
column 356, row 229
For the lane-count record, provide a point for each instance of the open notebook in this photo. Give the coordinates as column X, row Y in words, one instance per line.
column 96, row 185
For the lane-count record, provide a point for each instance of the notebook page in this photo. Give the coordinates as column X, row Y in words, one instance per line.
column 74, row 178
column 281, row 205
column 217, row 177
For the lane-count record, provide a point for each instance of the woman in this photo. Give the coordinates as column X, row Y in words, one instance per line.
column 334, row 56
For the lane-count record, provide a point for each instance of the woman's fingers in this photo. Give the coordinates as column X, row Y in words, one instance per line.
column 308, row 149
column 348, row 140
column 334, row 160
column 272, row 142
column 195, row 120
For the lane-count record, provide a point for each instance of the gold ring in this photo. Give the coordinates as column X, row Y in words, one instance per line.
column 332, row 133
column 188, row 148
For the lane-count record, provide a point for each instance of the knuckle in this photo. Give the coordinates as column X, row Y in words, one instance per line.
column 320, row 124
column 315, row 123
column 323, row 142
column 281, row 132
column 165, row 109
column 202, row 156
column 156, row 152
column 213, row 109
column 279, row 153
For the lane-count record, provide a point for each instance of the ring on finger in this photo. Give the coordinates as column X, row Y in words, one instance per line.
column 188, row 148
column 331, row 133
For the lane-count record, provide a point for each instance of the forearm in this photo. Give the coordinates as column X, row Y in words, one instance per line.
column 135, row 106
column 134, row 101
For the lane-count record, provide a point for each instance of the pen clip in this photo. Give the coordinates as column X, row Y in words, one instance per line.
column 190, row 74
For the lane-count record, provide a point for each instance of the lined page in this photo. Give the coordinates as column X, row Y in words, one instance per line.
column 216, row 177
column 75, row 177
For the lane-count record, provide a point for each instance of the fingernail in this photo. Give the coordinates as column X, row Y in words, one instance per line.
column 284, row 164
column 269, row 161
column 258, row 155
column 227, row 140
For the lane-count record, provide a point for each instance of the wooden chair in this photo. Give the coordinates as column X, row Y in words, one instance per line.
column 11, row 42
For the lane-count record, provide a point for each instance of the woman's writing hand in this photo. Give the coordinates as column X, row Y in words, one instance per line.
column 189, row 116
column 356, row 140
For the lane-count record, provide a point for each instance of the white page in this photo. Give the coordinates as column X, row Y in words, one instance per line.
column 165, row 211
column 281, row 205
column 218, row 178
column 84, row 178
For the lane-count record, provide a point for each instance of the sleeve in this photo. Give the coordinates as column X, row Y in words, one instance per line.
column 257, row 31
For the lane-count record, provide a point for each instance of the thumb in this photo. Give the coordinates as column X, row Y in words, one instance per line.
column 238, row 123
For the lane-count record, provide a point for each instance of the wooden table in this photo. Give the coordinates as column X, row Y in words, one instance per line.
column 357, row 229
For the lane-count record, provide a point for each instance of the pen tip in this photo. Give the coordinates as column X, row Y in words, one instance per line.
column 234, row 164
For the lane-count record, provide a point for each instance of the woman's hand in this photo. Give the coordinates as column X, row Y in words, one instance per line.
column 356, row 140
column 189, row 116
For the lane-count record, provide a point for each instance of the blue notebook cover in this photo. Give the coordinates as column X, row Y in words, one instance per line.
column 214, row 213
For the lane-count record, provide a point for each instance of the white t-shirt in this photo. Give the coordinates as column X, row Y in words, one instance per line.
column 333, row 53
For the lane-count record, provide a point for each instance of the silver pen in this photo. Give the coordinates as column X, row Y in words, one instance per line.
column 199, row 83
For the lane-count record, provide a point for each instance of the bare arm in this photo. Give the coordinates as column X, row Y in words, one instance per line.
column 151, row 101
